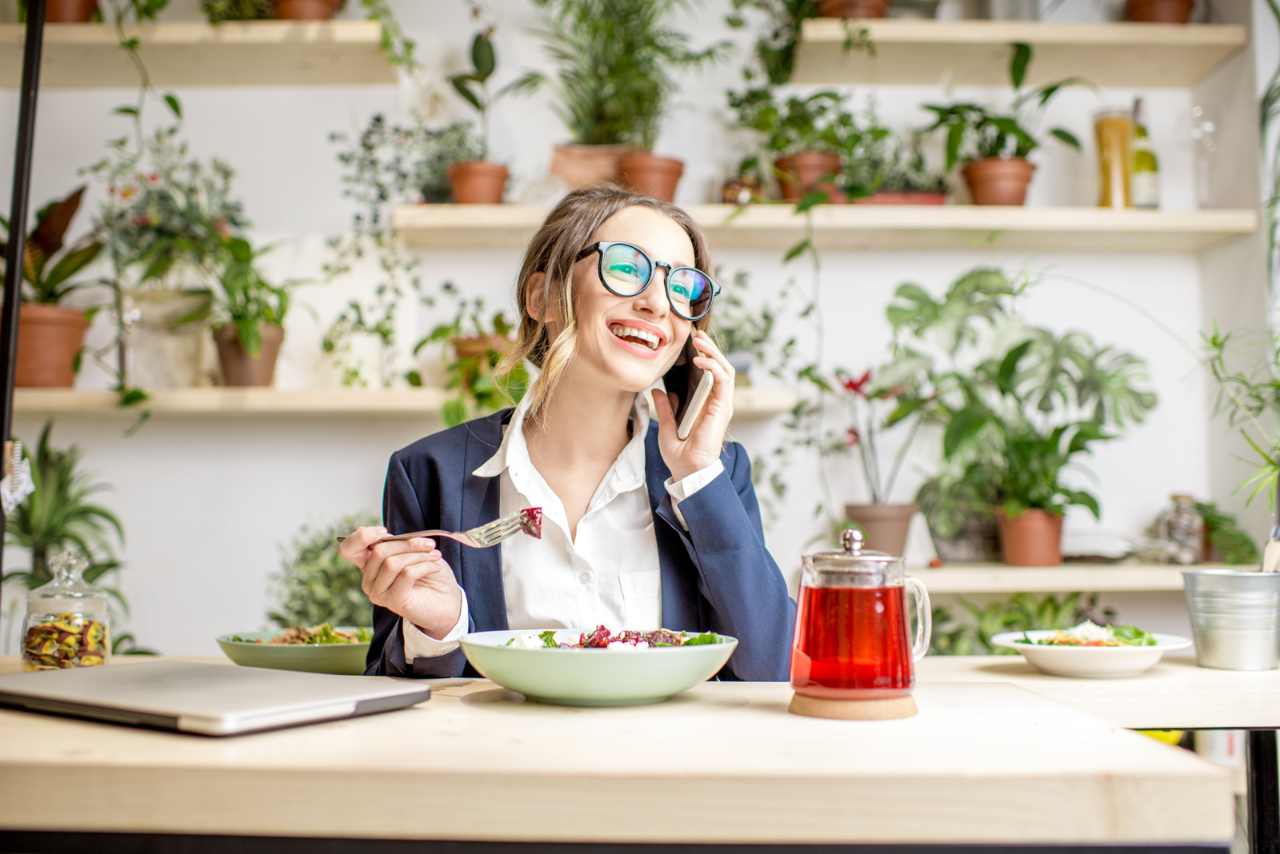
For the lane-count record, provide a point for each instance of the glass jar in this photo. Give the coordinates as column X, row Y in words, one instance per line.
column 852, row 629
column 1113, row 132
column 1182, row 527
column 67, row 620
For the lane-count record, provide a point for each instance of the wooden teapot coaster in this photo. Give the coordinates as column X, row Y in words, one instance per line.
column 854, row 710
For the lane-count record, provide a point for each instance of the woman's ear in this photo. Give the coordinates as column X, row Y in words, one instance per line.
column 535, row 294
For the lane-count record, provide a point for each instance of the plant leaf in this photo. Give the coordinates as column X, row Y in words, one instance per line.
column 482, row 56
column 1018, row 63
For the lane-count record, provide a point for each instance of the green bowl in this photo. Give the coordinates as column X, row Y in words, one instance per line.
column 593, row 677
column 342, row 658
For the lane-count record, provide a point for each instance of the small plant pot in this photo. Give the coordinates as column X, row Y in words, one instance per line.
column 163, row 353
column 1032, row 538
column 69, row 11
column 49, row 338
column 999, row 180
column 306, row 10
column 903, row 199
column 884, row 526
column 478, row 182
column 587, row 165
column 741, row 191
column 853, row 8
column 1159, row 11
column 977, row 542
column 648, row 174
column 803, row 171
column 239, row 369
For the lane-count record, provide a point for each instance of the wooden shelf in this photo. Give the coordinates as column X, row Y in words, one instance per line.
column 331, row 403
column 1092, row 578
column 869, row 227
column 193, row 53
column 977, row 52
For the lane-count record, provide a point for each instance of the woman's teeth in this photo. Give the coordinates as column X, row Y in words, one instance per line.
column 640, row 336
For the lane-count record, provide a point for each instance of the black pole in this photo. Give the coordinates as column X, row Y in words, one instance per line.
column 1263, row 794
column 18, row 220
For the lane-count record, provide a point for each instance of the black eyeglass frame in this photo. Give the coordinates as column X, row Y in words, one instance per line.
column 604, row 245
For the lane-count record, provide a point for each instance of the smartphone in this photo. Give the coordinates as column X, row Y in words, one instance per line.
column 692, row 386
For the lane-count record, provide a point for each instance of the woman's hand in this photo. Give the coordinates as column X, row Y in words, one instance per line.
column 706, row 440
column 407, row 577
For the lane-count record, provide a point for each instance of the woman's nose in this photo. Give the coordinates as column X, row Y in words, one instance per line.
column 654, row 298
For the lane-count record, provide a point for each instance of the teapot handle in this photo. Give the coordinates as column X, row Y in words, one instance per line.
column 924, row 617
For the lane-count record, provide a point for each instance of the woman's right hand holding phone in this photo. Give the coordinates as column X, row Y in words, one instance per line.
column 407, row 577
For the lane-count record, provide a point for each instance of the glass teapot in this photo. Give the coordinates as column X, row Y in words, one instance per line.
column 852, row 629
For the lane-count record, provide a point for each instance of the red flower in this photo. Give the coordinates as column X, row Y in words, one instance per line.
column 853, row 438
column 858, row 385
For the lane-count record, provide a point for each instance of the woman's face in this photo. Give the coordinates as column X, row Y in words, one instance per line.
column 609, row 342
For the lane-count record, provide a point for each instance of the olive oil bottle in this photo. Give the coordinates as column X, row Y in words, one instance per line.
column 1145, row 187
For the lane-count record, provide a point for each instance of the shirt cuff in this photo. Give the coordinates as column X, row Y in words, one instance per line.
column 681, row 489
column 419, row 644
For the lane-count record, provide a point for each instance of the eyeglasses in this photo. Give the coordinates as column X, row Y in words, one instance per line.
column 626, row 270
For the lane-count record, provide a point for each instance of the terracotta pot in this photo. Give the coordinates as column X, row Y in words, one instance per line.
column 977, row 542
column 648, row 174
column 69, row 11
column 238, row 367
column 1032, row 538
column 800, row 172
column 306, row 10
column 478, row 345
column 884, row 526
column 999, row 180
column 587, row 165
column 853, row 8
column 49, row 337
column 1159, row 11
column 903, row 199
column 478, row 182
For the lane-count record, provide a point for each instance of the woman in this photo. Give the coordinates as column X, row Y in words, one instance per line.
column 640, row 529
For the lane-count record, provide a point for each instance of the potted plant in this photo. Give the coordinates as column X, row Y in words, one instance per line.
column 616, row 63
column 218, row 11
column 993, row 147
column 1159, row 11
column 315, row 585
column 50, row 335
column 69, row 11
column 853, row 8
column 64, row 513
column 888, row 170
column 1045, row 402
column 475, row 370
column 164, row 222
column 805, row 136
column 248, row 318
column 774, row 50
column 482, row 181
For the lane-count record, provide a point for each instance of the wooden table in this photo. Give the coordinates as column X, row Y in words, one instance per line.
column 983, row 763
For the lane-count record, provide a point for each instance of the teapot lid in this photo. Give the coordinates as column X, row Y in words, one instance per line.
column 852, row 556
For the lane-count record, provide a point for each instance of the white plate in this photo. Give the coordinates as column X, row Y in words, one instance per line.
column 1089, row 662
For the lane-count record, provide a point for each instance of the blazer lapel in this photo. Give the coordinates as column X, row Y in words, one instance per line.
column 679, row 588
column 481, row 569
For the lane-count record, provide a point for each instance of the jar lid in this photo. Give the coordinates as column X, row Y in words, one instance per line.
column 852, row 557
column 67, row 567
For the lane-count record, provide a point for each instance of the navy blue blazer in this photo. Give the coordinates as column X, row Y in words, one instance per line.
column 716, row 576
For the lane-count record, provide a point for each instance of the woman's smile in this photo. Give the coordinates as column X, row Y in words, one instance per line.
column 638, row 337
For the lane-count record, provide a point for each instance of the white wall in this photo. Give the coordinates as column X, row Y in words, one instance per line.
column 207, row 504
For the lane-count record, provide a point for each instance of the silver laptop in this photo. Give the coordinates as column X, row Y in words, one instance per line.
column 210, row 699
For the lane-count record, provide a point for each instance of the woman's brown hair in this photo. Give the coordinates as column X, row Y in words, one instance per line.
column 553, row 251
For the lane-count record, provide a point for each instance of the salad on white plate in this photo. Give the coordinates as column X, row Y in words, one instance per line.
column 1091, row 651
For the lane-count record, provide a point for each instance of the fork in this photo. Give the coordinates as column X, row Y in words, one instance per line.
column 528, row 520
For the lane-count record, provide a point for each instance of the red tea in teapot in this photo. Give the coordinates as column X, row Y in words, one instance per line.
column 851, row 644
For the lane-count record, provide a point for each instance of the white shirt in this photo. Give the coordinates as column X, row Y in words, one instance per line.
column 609, row 575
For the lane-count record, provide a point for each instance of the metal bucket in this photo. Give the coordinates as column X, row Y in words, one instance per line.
column 1235, row 617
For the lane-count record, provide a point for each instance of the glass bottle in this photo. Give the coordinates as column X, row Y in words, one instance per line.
column 1113, row 132
column 67, row 619
column 1145, row 182
column 1204, row 138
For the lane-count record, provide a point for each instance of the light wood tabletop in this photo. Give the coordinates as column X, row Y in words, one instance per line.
column 725, row 762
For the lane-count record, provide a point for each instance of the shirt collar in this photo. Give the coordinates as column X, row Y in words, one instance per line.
column 627, row 471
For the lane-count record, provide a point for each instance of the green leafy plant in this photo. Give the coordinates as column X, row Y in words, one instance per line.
column 1021, row 612
column 739, row 328
column 472, row 373
column 881, row 161
column 63, row 513
column 815, row 122
column 46, row 277
column 315, row 585
column 974, row 132
column 774, row 49
column 395, row 45
column 1228, row 542
column 473, row 84
column 219, row 11
column 1249, row 398
column 246, row 299
column 616, row 64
